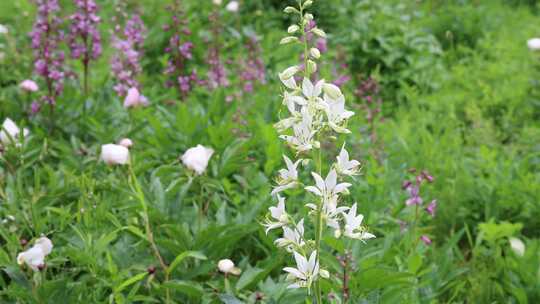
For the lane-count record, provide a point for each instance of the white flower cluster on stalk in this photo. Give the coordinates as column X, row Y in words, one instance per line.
column 317, row 109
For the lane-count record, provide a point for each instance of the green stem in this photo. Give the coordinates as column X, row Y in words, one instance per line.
column 149, row 234
column 318, row 231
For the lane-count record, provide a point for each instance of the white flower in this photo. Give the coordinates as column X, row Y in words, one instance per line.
column 302, row 140
column 3, row 29
column 287, row 177
column 344, row 165
column 113, row 154
column 292, row 237
column 217, row 2
column 353, row 226
column 232, row 6
column 312, row 92
column 517, row 246
column 336, row 113
column 35, row 256
column 28, row 85
column 279, row 214
column 534, row 44
column 10, row 133
column 287, row 77
column 328, row 189
column 134, row 99
column 227, row 266
column 306, row 271
column 197, row 158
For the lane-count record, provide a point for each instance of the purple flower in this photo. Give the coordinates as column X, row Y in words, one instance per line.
column 217, row 73
column 46, row 37
column 414, row 195
column 252, row 69
column 426, row 240
column 128, row 41
column 84, row 38
column 180, row 50
column 431, row 208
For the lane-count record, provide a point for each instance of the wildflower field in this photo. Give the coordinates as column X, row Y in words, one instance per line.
column 269, row 151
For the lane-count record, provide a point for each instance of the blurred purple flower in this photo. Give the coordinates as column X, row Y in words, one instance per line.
column 128, row 41
column 252, row 69
column 217, row 73
column 46, row 37
column 426, row 240
column 431, row 208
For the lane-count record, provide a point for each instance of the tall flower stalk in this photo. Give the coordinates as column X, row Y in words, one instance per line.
column 84, row 38
column 128, row 41
column 317, row 110
column 180, row 53
column 46, row 37
column 217, row 73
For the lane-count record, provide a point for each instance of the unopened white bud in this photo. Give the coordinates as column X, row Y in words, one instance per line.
column 317, row 31
column 332, row 90
column 284, row 218
column 324, row 273
column 289, row 72
column 290, row 9
column 337, row 233
column 308, row 16
column 315, row 53
column 288, row 39
column 293, row 29
column 311, row 66
column 308, row 3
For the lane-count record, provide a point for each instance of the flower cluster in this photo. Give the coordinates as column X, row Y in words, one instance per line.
column 180, row 53
column 48, row 58
column 128, row 40
column 315, row 108
column 252, row 69
column 217, row 74
column 84, row 38
column 413, row 187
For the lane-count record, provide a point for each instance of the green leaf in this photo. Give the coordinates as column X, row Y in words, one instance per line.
column 229, row 299
column 250, row 276
column 130, row 281
column 179, row 258
column 189, row 288
column 415, row 262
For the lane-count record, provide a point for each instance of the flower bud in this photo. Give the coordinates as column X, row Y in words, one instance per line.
column 311, row 66
column 308, row 3
column 324, row 273
column 288, row 39
column 337, row 233
column 332, row 90
column 290, row 9
column 317, row 31
column 288, row 73
column 293, row 29
column 308, row 16
column 315, row 53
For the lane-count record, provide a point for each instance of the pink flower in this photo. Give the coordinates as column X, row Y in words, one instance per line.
column 28, row 86
column 134, row 98
column 126, row 142
column 431, row 208
column 426, row 240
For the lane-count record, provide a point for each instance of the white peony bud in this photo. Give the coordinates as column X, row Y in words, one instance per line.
column 35, row 256
column 534, row 44
column 113, row 154
column 197, row 158
column 315, row 53
column 10, row 132
column 227, row 266
column 332, row 90
column 28, row 86
column 517, row 246
column 288, row 39
column 126, row 142
column 233, row 6
column 293, row 29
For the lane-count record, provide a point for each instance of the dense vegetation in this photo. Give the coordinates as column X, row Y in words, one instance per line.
column 443, row 91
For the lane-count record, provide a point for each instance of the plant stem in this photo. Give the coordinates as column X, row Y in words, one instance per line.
column 318, row 231
column 149, row 234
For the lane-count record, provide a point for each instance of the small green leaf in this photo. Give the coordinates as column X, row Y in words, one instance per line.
column 179, row 258
column 191, row 289
column 130, row 281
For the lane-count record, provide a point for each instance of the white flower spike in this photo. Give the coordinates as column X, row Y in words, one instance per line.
column 306, row 271
column 279, row 214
